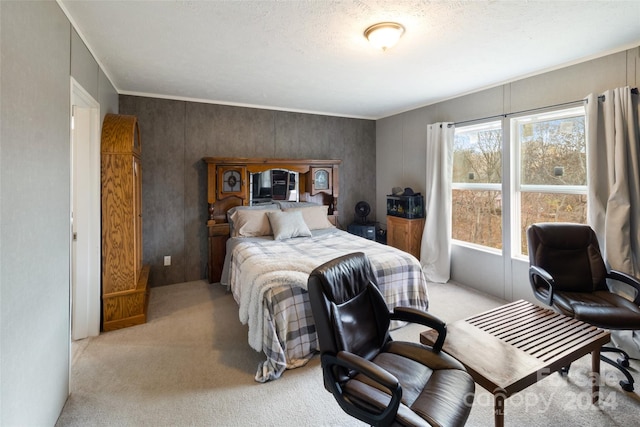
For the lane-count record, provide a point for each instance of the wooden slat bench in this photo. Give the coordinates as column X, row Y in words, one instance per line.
column 513, row 346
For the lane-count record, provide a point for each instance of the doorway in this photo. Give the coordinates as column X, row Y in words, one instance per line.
column 85, row 213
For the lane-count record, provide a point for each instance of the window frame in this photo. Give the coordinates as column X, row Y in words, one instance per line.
column 489, row 124
column 555, row 113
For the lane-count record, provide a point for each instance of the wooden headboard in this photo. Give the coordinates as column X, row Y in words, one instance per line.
column 223, row 194
column 228, row 186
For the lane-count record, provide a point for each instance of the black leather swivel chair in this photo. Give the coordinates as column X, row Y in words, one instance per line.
column 568, row 273
column 373, row 378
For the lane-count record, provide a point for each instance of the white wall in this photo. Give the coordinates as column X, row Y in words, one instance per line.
column 34, row 215
column 36, row 47
column 401, row 141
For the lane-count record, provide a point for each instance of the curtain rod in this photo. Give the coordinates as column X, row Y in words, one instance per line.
column 600, row 98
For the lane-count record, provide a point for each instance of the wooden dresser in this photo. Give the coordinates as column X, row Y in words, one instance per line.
column 229, row 184
column 405, row 234
column 125, row 292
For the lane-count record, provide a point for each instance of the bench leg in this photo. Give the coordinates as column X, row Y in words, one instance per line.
column 499, row 408
column 595, row 376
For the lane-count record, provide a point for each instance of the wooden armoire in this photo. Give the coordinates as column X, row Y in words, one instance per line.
column 125, row 292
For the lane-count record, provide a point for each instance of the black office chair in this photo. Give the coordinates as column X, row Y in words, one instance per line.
column 373, row 378
column 568, row 273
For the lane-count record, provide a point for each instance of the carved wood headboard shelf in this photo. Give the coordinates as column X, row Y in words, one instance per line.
column 233, row 181
column 228, row 181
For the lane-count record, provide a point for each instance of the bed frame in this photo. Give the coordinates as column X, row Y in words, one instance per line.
column 228, row 186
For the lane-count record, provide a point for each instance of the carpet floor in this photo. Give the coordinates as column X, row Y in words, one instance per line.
column 190, row 365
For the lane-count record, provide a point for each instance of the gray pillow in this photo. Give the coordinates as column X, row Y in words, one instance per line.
column 286, row 204
column 286, row 225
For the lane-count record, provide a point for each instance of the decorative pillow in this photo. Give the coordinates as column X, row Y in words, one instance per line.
column 251, row 223
column 286, row 225
column 314, row 216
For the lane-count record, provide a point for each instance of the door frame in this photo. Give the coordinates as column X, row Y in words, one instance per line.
column 85, row 295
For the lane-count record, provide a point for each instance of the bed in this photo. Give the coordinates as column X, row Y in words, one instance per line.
column 267, row 275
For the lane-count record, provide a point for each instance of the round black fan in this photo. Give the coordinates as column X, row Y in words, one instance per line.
column 362, row 210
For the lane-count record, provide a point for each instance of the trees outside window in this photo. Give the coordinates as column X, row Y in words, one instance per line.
column 549, row 175
column 551, row 183
column 477, row 185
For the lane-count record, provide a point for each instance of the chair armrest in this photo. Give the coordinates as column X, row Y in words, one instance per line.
column 629, row 280
column 362, row 366
column 537, row 275
column 414, row 315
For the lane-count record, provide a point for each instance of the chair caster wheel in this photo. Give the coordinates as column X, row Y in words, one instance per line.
column 626, row 386
column 623, row 362
column 564, row 371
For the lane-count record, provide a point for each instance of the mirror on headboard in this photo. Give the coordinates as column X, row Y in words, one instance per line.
column 273, row 184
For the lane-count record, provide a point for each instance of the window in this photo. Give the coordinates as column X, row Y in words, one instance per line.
column 551, row 170
column 477, row 185
column 546, row 170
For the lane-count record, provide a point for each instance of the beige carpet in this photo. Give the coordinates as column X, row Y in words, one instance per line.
column 190, row 365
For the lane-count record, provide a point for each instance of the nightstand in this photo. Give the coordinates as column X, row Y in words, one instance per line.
column 405, row 234
column 218, row 236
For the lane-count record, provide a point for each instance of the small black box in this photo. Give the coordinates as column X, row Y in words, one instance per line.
column 368, row 231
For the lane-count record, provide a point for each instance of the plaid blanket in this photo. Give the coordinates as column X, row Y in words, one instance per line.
column 268, row 279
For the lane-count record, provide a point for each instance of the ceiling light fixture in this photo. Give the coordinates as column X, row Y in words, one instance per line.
column 384, row 34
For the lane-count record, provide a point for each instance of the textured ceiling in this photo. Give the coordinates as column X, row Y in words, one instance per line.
column 311, row 56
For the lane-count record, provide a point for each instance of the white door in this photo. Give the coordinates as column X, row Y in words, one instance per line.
column 85, row 214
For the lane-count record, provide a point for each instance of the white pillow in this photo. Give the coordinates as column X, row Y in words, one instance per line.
column 230, row 212
column 286, row 225
column 314, row 216
column 251, row 223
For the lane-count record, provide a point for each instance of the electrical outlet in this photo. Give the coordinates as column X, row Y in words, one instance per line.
column 167, row 260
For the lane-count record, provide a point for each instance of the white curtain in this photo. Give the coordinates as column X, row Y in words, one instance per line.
column 435, row 253
column 613, row 149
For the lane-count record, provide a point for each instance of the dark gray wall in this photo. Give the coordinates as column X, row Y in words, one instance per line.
column 176, row 135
